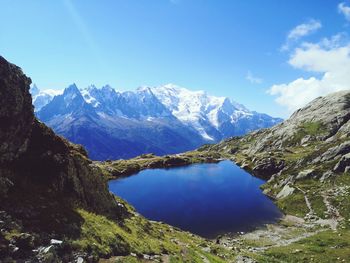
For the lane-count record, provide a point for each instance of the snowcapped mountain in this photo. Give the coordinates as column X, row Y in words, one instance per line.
column 214, row 118
column 42, row 97
column 204, row 113
column 162, row 120
column 114, row 125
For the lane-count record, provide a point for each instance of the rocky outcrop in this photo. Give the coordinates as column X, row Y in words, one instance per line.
column 43, row 177
column 334, row 152
column 32, row 154
column 266, row 167
column 305, row 174
column 123, row 168
column 320, row 120
column 16, row 114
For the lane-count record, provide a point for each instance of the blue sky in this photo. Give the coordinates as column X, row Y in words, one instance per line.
column 233, row 48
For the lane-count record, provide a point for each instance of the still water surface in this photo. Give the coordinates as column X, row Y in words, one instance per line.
column 205, row 199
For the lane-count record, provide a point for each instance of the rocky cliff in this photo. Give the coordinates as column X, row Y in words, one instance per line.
column 32, row 154
column 43, row 177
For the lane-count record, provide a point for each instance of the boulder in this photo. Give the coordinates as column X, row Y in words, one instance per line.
column 47, row 254
column 305, row 174
column 305, row 140
column 175, row 161
column 266, row 167
column 24, row 241
column 56, row 242
column 286, row 191
column 326, row 175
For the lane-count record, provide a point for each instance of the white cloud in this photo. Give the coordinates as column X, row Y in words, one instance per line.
column 301, row 31
column 345, row 10
column 330, row 58
column 253, row 79
column 304, row 29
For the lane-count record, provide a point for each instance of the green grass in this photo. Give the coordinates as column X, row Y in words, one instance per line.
column 194, row 255
column 307, row 128
column 313, row 128
column 324, row 247
column 318, row 205
column 128, row 259
column 293, row 205
column 104, row 237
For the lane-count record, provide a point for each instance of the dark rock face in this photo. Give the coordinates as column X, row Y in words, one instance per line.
column 343, row 164
column 43, row 177
column 32, row 153
column 16, row 113
column 264, row 168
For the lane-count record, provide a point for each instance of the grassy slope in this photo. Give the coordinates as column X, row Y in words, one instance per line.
column 137, row 236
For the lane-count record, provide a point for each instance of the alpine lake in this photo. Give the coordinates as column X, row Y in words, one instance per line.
column 205, row 199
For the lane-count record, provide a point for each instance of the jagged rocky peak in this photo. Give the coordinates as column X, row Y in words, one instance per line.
column 41, row 98
column 108, row 91
column 71, row 93
column 71, row 89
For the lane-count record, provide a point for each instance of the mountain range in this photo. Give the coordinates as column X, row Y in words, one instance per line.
column 161, row 120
